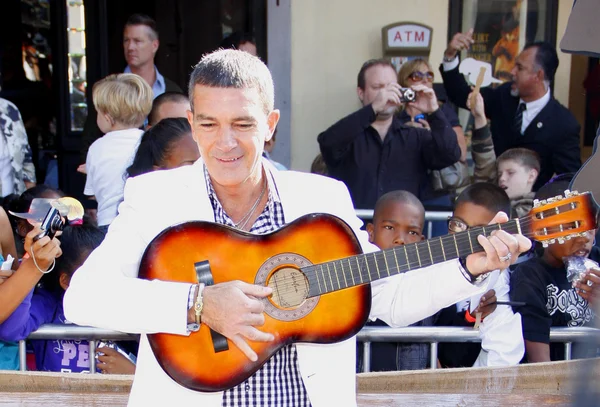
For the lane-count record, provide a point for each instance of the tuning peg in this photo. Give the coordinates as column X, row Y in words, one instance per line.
column 552, row 241
column 568, row 237
column 551, row 200
column 536, row 203
column 561, row 240
column 545, row 243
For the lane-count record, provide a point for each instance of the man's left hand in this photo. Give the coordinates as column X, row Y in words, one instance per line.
column 426, row 100
column 501, row 249
column 487, row 304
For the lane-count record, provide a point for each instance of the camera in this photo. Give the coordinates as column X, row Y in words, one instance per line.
column 52, row 223
column 407, row 95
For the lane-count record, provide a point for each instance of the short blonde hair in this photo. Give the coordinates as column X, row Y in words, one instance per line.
column 125, row 97
column 409, row 67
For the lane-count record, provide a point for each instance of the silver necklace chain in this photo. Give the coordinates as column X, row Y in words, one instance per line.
column 242, row 223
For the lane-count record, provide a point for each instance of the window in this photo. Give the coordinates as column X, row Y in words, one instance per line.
column 77, row 64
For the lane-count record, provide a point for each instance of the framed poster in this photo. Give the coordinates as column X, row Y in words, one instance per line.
column 502, row 28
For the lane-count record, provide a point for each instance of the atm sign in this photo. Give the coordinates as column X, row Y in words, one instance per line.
column 408, row 36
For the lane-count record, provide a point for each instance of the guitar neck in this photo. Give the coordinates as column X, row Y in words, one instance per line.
column 365, row 268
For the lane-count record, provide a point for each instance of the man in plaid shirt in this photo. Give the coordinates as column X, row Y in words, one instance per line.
column 232, row 115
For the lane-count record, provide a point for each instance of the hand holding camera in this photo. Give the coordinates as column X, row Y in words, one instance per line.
column 426, row 101
column 43, row 250
column 390, row 97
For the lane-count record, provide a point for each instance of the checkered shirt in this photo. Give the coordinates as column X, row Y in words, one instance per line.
column 278, row 382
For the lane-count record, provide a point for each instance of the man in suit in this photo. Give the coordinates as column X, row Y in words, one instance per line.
column 523, row 112
column 232, row 101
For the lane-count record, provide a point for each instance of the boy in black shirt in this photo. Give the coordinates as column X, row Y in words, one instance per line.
column 541, row 283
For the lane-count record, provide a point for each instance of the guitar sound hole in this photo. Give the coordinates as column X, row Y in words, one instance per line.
column 290, row 287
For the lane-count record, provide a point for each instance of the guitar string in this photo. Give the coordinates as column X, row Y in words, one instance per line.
column 288, row 284
column 310, row 271
column 461, row 238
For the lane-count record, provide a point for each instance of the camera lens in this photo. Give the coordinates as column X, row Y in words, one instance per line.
column 56, row 224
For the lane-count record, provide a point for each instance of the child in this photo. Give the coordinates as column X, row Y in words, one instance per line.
column 168, row 144
column 123, row 101
column 43, row 304
column 542, row 284
column 269, row 147
column 500, row 331
column 398, row 219
column 482, row 145
column 518, row 168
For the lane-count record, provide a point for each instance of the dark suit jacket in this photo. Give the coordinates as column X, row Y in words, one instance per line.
column 553, row 133
column 91, row 132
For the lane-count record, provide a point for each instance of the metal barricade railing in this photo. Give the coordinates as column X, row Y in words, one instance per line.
column 430, row 216
column 431, row 335
column 435, row 335
column 73, row 332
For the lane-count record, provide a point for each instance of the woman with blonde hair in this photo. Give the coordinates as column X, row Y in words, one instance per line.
column 446, row 181
column 418, row 71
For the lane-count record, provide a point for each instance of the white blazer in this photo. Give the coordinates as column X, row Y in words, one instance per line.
column 105, row 292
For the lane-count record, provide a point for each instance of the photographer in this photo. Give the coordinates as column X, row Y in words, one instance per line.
column 13, row 290
column 372, row 152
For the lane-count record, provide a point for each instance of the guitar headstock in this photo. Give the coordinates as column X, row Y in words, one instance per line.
column 561, row 218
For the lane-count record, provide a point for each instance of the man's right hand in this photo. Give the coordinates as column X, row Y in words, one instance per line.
column 388, row 98
column 234, row 309
column 459, row 42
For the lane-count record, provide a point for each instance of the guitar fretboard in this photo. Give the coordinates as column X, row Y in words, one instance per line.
column 364, row 268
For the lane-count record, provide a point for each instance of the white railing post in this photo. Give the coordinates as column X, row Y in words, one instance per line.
column 433, row 355
column 568, row 348
column 92, row 356
column 366, row 356
column 22, row 356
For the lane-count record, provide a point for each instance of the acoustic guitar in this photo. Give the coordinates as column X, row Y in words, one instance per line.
column 320, row 279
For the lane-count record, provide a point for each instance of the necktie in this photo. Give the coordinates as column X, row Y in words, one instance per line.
column 518, row 121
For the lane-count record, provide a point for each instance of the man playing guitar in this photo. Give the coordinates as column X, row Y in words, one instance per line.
column 232, row 115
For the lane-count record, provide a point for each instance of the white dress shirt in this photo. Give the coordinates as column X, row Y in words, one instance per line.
column 533, row 108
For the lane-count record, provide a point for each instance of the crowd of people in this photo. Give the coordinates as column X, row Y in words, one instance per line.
column 155, row 157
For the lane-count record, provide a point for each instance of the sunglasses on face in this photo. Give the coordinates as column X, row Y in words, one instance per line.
column 418, row 76
column 457, row 225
